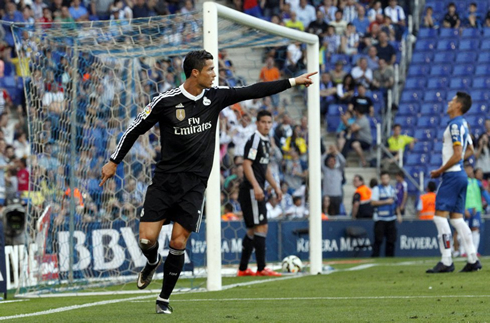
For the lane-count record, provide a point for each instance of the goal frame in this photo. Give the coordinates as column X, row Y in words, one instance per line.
column 211, row 12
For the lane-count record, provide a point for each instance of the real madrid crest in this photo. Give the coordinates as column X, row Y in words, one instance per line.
column 180, row 114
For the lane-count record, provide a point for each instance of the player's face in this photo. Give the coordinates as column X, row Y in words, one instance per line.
column 264, row 125
column 453, row 105
column 206, row 75
column 385, row 179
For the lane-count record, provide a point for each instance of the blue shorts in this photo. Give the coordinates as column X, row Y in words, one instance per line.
column 451, row 193
column 474, row 221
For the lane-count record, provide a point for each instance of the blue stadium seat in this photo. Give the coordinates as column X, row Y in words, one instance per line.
column 480, row 95
column 437, row 6
column 378, row 99
column 434, row 96
column 335, row 110
column 427, row 121
column 422, row 57
column 481, row 107
column 484, row 57
column 415, row 83
column 481, row 82
column 460, row 83
column 476, row 121
column 450, row 94
column 461, row 6
column 408, row 109
column 405, row 122
column 447, row 44
column 486, row 32
column 440, row 70
column 463, row 70
column 411, row 96
column 417, row 159
column 481, row 5
column 429, row 44
column 444, row 57
column 471, row 32
column 485, row 45
column 332, row 123
column 431, row 109
column 424, row 134
column 443, row 122
column 437, row 147
column 440, row 133
column 436, row 159
column 449, row 33
column 466, row 57
column 477, row 132
column 427, row 33
column 469, row 44
column 424, row 147
column 409, row 131
column 418, row 70
column 345, row 59
column 483, row 69
column 438, row 83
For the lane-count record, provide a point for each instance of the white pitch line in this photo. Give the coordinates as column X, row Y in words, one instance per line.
column 361, row 267
column 13, row 301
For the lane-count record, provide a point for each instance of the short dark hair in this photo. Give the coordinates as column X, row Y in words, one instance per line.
column 263, row 113
column 384, row 173
column 431, row 186
column 373, row 182
column 465, row 100
column 474, row 4
column 451, row 5
column 228, row 207
column 401, row 174
column 396, row 125
column 195, row 60
column 359, row 177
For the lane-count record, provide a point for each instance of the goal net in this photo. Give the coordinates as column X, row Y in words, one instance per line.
column 84, row 84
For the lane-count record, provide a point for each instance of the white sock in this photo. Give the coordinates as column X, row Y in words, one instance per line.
column 476, row 239
column 466, row 238
column 444, row 237
column 162, row 299
column 462, row 251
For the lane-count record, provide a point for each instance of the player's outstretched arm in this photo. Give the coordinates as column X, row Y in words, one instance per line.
column 305, row 79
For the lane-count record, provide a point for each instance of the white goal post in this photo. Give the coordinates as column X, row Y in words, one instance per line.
column 211, row 12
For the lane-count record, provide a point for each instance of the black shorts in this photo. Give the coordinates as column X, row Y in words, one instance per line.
column 177, row 198
column 254, row 212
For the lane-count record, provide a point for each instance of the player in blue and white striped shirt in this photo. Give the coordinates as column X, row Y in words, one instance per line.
column 451, row 194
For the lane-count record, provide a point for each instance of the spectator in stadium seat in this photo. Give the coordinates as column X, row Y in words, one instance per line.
column 338, row 74
column 361, row 22
column 451, row 19
column 350, row 11
column 328, row 10
column 274, row 210
column 297, row 210
column 228, row 213
column 401, row 191
column 487, row 20
column 487, row 127
column 294, row 23
column 383, row 77
column 372, row 37
column 295, row 171
column 270, row 73
column 372, row 59
column 473, row 19
column 331, row 42
column 78, row 12
column 141, row 9
column 270, row 8
column 22, row 175
column 362, row 74
column 339, row 23
column 283, row 130
column 343, row 129
column 295, row 141
column 361, row 102
column 385, row 50
column 306, row 13
column 428, row 20
column 350, row 40
column 46, row 19
column 361, row 137
column 333, row 164
column 397, row 15
column 37, row 8
column 11, row 16
column 482, row 155
column 346, row 90
column 241, row 133
column 361, row 201
column 318, row 26
column 22, row 146
column 426, row 206
column 327, row 92
column 65, row 17
column 389, row 28
column 252, row 8
column 294, row 60
column 375, row 9
column 399, row 142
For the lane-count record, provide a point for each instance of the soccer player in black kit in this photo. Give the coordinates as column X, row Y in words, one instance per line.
column 252, row 199
column 188, row 116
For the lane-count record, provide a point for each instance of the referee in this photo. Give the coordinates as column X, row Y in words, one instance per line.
column 256, row 168
column 187, row 117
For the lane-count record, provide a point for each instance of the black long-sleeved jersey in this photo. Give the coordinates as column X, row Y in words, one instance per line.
column 257, row 149
column 188, row 125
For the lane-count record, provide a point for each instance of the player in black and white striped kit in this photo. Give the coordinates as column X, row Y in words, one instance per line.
column 252, row 200
column 188, row 116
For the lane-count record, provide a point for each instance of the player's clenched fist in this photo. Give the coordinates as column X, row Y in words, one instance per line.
column 108, row 171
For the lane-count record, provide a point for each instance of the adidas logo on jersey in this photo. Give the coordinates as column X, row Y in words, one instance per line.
column 206, row 101
column 179, row 106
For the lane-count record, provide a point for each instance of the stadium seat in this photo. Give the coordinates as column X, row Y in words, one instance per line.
column 440, row 70
column 416, row 159
column 345, row 59
column 335, row 110
column 450, row 94
column 437, row 147
column 480, row 107
column 427, row 121
column 437, row 6
column 427, row 33
column 440, row 132
column 409, row 131
column 415, row 83
column 411, row 96
column 469, row 44
column 434, row 96
column 438, row 83
column 405, row 121
column 484, row 57
column 424, row 147
column 444, row 57
column 447, row 44
column 485, row 45
column 424, row 134
column 427, row 45
column 408, row 109
column 356, row 57
column 436, row 159
column 449, row 33
column 477, row 132
column 422, row 57
column 475, row 121
column 481, row 82
column 463, row 70
column 418, row 70
column 466, row 57
column 431, row 109
column 470, row 32
column 444, row 120
column 486, row 32
column 483, row 69
column 480, row 95
column 332, row 123
column 460, row 83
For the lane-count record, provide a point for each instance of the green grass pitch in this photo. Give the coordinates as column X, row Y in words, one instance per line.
column 381, row 290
